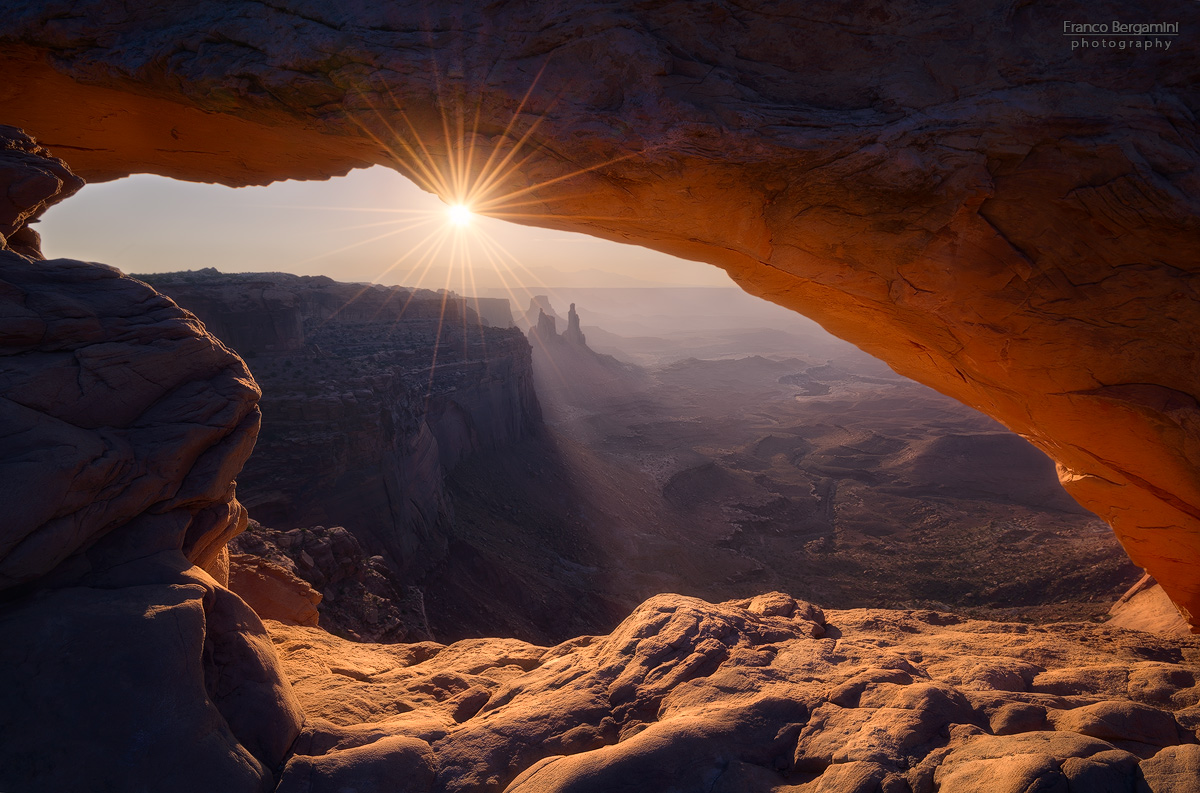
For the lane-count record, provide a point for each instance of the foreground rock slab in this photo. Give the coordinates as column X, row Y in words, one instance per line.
column 768, row 694
column 152, row 677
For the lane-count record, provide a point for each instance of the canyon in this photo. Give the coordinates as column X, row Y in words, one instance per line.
column 374, row 393
column 820, row 473
column 828, row 477
column 980, row 223
column 989, row 214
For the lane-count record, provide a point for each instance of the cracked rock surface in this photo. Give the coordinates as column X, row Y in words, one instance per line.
column 767, row 694
column 124, row 422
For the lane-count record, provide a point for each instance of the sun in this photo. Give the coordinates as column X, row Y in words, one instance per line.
column 460, row 214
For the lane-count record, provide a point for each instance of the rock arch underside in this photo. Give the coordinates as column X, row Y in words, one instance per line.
column 954, row 191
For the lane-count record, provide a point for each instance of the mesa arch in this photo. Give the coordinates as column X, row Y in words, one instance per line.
column 1008, row 221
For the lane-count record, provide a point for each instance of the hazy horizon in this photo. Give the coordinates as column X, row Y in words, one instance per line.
column 349, row 228
column 345, row 228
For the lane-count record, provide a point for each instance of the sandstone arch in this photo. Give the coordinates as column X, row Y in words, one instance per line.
column 1008, row 221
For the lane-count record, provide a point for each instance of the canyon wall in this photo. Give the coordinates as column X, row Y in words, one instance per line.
column 966, row 194
column 371, row 395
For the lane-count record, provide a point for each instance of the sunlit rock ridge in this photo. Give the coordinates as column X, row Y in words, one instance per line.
column 956, row 191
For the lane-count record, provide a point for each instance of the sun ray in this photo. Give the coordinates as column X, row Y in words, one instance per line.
column 471, row 185
column 460, row 214
column 427, row 162
column 499, row 249
column 433, row 248
column 358, row 243
column 512, row 122
column 501, row 268
column 493, row 171
column 470, row 157
column 410, row 224
column 505, row 167
column 483, row 205
column 463, row 265
column 541, row 201
column 549, row 216
column 365, row 288
column 427, row 177
column 455, row 176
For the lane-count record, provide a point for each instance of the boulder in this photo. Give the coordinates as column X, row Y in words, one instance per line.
column 402, row 760
column 1120, row 721
column 272, row 591
column 125, row 666
column 125, row 422
column 122, row 415
column 170, row 682
column 1175, row 769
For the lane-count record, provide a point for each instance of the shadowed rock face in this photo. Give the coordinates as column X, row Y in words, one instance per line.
column 125, row 422
column 999, row 217
column 34, row 180
column 371, row 396
column 122, row 663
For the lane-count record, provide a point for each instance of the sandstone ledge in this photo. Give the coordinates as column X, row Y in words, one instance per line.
column 768, row 694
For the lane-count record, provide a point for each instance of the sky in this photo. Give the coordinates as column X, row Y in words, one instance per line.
column 352, row 228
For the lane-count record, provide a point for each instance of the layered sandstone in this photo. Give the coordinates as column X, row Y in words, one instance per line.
column 123, row 664
column 994, row 214
column 125, row 423
column 34, row 181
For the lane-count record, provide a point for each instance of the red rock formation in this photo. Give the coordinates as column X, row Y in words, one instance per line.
column 961, row 194
column 573, row 334
column 763, row 695
column 359, row 597
column 122, row 415
column 538, row 305
column 154, row 672
column 546, row 328
column 495, row 312
column 1145, row 607
column 272, row 591
column 35, row 180
column 566, row 370
column 122, row 664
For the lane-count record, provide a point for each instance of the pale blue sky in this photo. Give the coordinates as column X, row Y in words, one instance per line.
column 151, row 224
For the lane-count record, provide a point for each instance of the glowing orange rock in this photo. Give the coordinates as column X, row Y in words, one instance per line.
column 995, row 215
